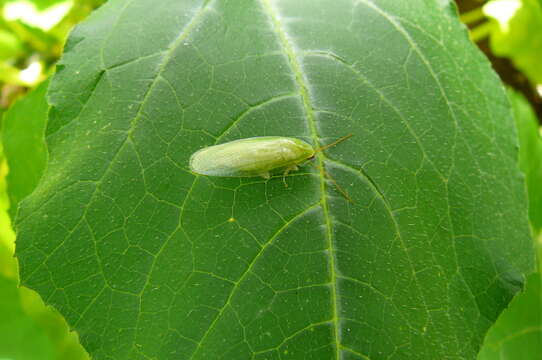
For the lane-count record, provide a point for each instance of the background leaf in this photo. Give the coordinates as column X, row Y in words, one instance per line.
column 8, row 265
column 22, row 136
column 146, row 260
column 518, row 332
column 16, row 328
column 10, row 46
column 530, row 154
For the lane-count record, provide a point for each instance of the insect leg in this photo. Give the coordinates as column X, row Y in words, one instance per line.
column 286, row 171
column 341, row 190
column 328, row 175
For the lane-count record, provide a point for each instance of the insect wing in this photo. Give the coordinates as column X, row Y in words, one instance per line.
column 239, row 158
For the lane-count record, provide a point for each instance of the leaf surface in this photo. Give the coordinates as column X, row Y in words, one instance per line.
column 146, row 260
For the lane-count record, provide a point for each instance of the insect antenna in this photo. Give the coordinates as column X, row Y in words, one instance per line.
column 333, row 143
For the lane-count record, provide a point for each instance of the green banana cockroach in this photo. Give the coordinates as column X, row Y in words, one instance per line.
column 255, row 156
column 258, row 156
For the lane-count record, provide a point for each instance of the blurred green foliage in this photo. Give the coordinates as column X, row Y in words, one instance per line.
column 8, row 266
column 22, row 136
column 515, row 32
column 32, row 35
column 530, row 154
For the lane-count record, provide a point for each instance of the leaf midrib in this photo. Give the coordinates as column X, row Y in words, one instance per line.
column 302, row 87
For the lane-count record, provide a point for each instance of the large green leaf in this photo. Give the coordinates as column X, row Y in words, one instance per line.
column 23, row 129
column 146, row 260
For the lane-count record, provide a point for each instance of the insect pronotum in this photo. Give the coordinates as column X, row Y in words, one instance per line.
column 256, row 156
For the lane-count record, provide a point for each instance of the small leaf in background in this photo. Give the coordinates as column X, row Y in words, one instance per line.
column 23, row 139
column 8, row 266
column 517, row 34
column 517, row 335
column 530, row 154
column 146, row 260
column 20, row 337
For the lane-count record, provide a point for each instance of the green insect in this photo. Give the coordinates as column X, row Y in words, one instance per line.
column 255, row 156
